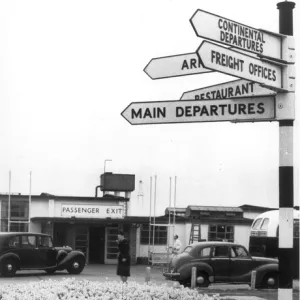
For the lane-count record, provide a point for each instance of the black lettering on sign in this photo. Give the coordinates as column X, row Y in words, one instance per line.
column 193, row 63
column 179, row 111
column 152, row 113
column 261, row 108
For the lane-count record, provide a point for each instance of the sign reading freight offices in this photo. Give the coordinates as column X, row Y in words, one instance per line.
column 92, row 211
column 187, row 111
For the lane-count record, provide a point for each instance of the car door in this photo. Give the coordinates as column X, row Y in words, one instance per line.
column 46, row 252
column 241, row 265
column 220, row 262
column 28, row 252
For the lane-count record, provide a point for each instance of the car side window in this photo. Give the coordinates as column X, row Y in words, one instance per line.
column 45, row 242
column 205, row 252
column 239, row 251
column 28, row 241
column 14, row 242
column 221, row 251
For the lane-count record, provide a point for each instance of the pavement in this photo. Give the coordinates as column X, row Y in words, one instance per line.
column 103, row 273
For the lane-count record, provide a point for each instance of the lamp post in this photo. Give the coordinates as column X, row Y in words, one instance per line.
column 104, row 170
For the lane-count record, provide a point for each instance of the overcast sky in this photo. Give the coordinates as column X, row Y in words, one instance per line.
column 69, row 68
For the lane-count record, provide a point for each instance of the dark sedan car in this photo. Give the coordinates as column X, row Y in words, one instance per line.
column 222, row 262
column 35, row 251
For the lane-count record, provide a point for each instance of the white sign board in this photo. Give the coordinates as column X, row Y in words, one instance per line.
column 187, row 111
column 92, row 211
column 228, row 32
column 228, row 90
column 176, row 65
column 237, row 64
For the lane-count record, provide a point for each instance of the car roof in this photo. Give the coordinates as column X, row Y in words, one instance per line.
column 7, row 234
column 213, row 243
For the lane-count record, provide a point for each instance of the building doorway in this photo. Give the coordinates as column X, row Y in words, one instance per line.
column 97, row 245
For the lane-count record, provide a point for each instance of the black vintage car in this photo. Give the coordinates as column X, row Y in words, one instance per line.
column 35, row 251
column 222, row 262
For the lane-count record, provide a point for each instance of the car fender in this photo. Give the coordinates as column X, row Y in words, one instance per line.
column 63, row 264
column 261, row 271
column 10, row 255
column 186, row 270
column 61, row 254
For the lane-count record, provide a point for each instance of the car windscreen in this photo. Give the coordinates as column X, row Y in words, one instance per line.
column 188, row 249
column 256, row 224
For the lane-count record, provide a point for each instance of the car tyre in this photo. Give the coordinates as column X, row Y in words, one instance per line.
column 202, row 280
column 270, row 281
column 185, row 283
column 76, row 265
column 8, row 267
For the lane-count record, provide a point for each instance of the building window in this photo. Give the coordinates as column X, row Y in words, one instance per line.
column 19, row 211
column 160, row 235
column 18, row 227
column 221, row 233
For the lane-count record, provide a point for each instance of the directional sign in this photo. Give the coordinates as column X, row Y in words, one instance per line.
column 228, row 90
column 188, row 111
column 176, row 65
column 228, row 32
column 237, row 64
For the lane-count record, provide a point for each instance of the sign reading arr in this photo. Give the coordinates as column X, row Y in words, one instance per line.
column 188, row 111
column 173, row 66
column 228, row 32
column 228, row 90
column 237, row 64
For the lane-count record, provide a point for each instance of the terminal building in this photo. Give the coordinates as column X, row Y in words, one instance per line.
column 91, row 224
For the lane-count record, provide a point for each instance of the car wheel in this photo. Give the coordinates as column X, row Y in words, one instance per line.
column 202, row 280
column 8, row 267
column 76, row 266
column 270, row 281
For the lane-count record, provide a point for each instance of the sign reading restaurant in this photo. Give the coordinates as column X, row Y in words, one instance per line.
column 92, row 211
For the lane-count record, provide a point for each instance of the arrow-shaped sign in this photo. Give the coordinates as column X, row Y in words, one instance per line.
column 244, row 66
column 228, row 90
column 175, row 65
column 188, row 111
column 231, row 33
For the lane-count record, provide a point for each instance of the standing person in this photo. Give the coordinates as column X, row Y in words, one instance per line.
column 123, row 268
column 177, row 245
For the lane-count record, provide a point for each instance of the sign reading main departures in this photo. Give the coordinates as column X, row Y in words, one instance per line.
column 175, row 65
column 228, row 90
column 237, row 64
column 188, row 111
column 228, row 32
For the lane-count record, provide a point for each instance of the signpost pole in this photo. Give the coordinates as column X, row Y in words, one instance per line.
column 286, row 178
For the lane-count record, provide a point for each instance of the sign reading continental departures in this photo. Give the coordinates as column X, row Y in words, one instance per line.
column 228, row 90
column 237, row 64
column 188, row 111
column 175, row 65
column 228, row 32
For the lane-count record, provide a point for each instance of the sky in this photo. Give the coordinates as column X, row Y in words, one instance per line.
column 69, row 68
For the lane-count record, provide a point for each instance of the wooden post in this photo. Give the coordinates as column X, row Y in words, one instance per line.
column 253, row 280
column 147, row 274
column 193, row 277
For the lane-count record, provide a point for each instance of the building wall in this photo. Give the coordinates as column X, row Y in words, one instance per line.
column 251, row 215
column 242, row 234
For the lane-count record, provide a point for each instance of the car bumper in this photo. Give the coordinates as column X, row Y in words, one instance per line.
column 174, row 276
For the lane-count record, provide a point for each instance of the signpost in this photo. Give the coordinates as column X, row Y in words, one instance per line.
column 231, row 33
column 271, row 65
column 173, row 66
column 234, row 63
column 189, row 111
column 228, row 90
